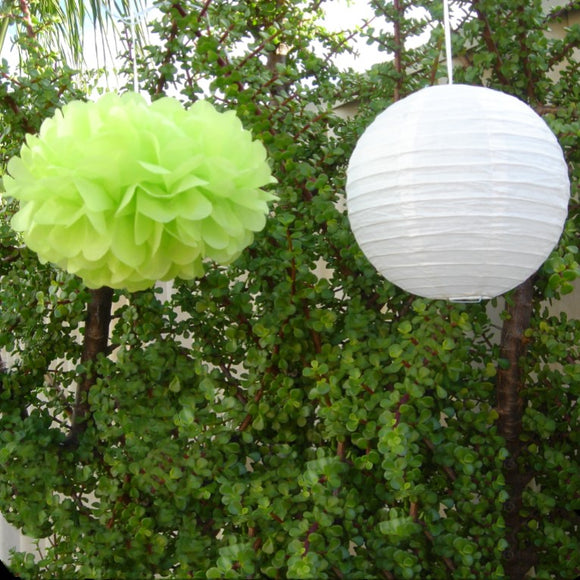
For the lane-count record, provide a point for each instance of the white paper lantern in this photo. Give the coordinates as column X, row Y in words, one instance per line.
column 457, row 192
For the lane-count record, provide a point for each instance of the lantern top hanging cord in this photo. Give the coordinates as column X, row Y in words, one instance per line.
column 448, row 54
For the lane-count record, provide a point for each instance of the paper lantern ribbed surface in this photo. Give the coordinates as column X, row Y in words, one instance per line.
column 457, row 192
column 125, row 193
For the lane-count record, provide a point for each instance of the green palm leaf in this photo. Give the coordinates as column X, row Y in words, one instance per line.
column 72, row 18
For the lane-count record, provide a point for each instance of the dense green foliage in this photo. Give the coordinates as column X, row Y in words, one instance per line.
column 295, row 415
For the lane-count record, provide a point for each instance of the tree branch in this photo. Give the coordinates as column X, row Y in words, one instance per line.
column 162, row 80
column 510, row 407
column 399, row 48
column 95, row 342
column 509, row 379
column 25, row 8
column 490, row 44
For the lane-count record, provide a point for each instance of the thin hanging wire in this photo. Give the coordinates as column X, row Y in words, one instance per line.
column 448, row 53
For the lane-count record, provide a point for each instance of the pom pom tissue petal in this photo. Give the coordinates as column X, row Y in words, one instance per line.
column 124, row 193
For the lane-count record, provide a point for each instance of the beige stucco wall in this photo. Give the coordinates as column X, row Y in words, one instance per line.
column 571, row 302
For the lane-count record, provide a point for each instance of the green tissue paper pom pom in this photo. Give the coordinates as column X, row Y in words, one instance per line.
column 124, row 193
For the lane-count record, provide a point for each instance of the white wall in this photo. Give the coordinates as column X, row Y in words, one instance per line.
column 11, row 538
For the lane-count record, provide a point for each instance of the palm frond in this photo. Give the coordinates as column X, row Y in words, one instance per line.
column 73, row 18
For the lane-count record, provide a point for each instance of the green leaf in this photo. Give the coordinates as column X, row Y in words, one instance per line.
column 395, row 351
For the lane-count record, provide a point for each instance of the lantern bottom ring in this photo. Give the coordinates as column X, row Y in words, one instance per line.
column 467, row 299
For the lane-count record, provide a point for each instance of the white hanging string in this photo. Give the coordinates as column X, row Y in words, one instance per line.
column 448, row 54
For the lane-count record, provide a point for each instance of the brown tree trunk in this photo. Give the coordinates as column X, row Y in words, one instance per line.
column 518, row 559
column 95, row 342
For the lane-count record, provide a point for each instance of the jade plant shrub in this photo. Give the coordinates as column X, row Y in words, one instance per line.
column 295, row 415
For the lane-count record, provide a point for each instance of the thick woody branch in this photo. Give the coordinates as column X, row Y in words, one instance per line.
column 510, row 406
column 513, row 348
column 95, row 343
